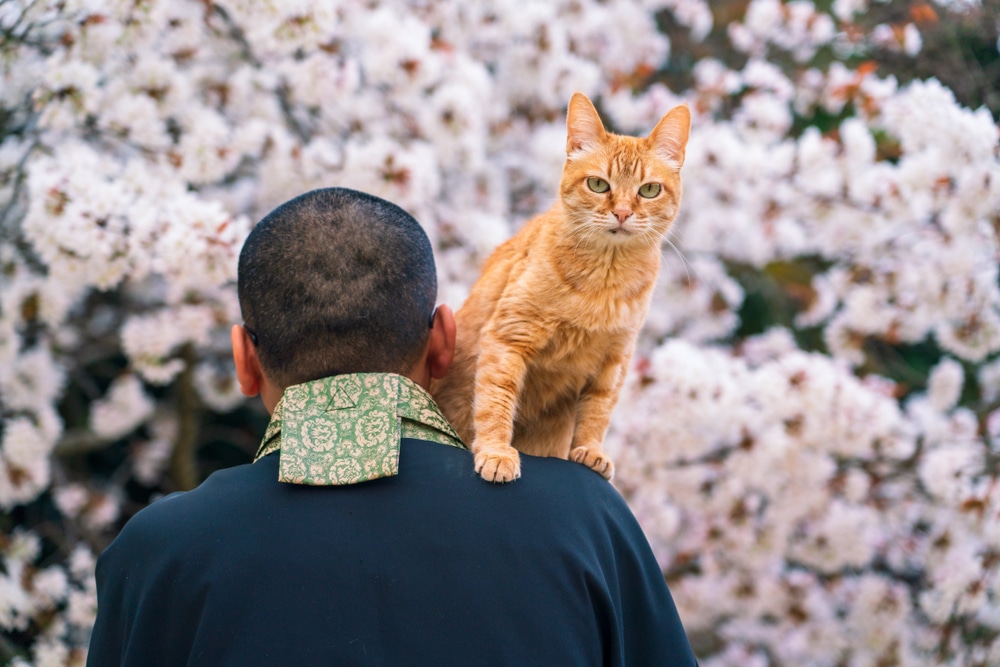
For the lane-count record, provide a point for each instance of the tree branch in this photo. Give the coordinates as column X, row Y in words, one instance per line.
column 183, row 460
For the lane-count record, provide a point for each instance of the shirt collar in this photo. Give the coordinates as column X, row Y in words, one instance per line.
column 346, row 429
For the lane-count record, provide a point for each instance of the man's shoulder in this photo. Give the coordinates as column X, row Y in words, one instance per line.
column 548, row 473
column 547, row 486
column 438, row 479
column 197, row 510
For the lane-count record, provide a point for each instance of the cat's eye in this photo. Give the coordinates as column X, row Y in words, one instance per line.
column 598, row 185
column 649, row 190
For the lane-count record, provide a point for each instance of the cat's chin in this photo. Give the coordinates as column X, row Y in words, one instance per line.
column 622, row 234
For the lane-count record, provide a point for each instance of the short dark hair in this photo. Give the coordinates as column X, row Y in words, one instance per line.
column 336, row 281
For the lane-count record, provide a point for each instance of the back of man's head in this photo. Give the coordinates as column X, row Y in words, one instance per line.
column 337, row 281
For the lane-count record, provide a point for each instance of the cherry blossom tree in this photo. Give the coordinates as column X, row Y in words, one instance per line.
column 809, row 434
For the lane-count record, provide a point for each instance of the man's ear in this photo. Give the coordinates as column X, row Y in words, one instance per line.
column 248, row 370
column 441, row 346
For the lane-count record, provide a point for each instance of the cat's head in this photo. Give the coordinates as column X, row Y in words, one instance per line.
column 619, row 189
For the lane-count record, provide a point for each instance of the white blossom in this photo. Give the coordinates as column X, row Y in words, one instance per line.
column 24, row 462
column 123, row 408
column 151, row 340
column 219, row 390
column 944, row 386
column 150, row 458
column 50, row 585
column 71, row 499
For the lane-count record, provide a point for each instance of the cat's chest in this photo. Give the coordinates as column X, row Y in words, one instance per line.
column 601, row 312
column 597, row 295
column 569, row 345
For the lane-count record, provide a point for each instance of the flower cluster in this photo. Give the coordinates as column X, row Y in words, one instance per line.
column 809, row 433
column 64, row 595
column 804, row 515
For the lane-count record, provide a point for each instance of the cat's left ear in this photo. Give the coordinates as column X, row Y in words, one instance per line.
column 670, row 136
column 583, row 126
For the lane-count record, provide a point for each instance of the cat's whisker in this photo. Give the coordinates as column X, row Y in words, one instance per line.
column 676, row 232
column 688, row 267
column 664, row 237
column 584, row 233
column 575, row 234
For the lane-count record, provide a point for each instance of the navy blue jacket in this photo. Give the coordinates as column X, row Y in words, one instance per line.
column 430, row 567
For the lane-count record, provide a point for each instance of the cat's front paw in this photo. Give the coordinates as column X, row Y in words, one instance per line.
column 594, row 459
column 498, row 465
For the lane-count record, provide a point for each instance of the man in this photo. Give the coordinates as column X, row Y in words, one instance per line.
column 361, row 535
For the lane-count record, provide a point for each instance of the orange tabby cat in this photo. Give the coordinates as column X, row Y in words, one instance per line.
column 548, row 330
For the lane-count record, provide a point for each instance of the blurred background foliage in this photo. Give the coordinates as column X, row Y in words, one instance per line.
column 960, row 48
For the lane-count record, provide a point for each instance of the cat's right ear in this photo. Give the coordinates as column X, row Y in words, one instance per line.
column 584, row 128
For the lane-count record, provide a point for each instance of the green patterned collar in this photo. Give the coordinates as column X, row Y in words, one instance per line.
column 346, row 429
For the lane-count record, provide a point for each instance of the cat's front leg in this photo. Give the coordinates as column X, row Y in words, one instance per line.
column 500, row 374
column 594, row 414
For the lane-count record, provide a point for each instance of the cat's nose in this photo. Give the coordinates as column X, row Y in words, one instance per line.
column 622, row 214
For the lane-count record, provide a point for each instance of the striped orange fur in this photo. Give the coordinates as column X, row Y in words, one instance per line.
column 546, row 335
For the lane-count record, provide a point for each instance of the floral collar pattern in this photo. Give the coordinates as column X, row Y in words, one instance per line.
column 346, row 429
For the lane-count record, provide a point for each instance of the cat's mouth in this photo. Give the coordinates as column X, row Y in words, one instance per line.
column 621, row 228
